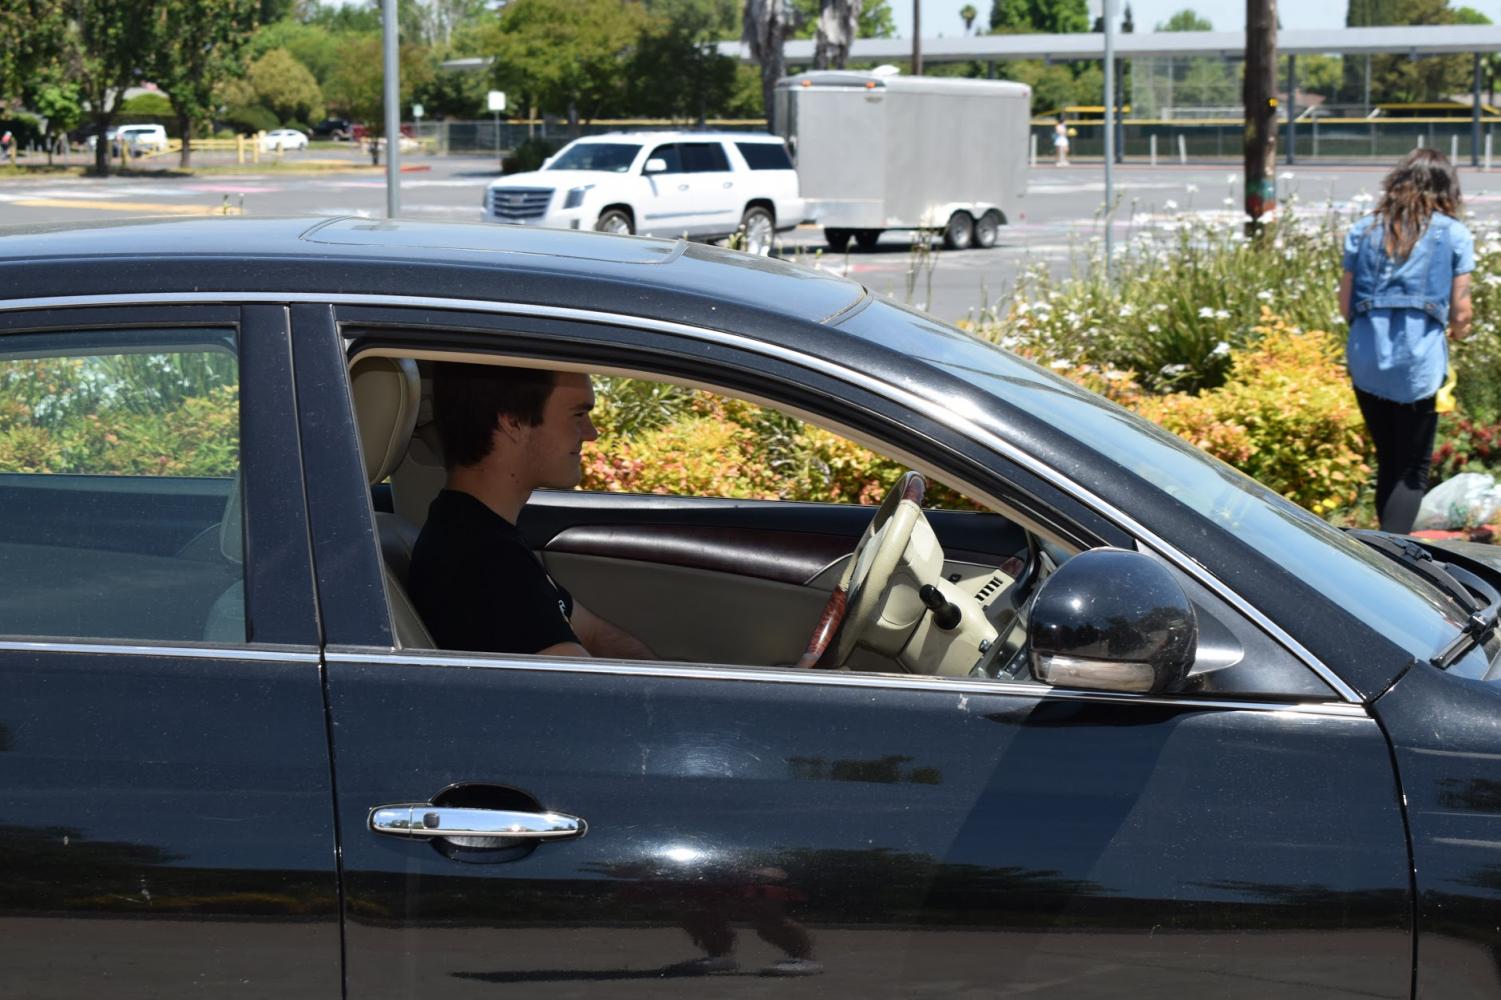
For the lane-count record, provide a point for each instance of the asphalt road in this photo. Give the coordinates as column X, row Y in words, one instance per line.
column 1062, row 213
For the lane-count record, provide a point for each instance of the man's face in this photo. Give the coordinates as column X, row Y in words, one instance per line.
column 552, row 448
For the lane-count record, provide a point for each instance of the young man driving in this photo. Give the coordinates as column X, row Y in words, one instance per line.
column 474, row 580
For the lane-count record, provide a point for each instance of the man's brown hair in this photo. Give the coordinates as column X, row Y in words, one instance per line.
column 469, row 400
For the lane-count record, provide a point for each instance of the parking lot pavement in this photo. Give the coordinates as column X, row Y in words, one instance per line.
column 1061, row 215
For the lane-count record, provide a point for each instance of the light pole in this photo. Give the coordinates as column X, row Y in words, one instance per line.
column 393, row 110
column 1105, row 10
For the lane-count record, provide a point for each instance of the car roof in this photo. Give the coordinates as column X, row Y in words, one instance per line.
column 651, row 278
column 646, row 136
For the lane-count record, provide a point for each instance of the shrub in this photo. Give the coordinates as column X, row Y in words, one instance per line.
column 1286, row 416
column 1183, row 295
column 1465, row 445
column 528, row 155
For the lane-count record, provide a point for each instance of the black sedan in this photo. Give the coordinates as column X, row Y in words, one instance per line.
column 1137, row 728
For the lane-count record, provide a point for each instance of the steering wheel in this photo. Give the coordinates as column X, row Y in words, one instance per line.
column 856, row 603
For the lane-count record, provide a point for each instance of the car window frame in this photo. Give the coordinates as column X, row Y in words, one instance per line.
column 1009, row 488
column 280, row 603
column 674, row 162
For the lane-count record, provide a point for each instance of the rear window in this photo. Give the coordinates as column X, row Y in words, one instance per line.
column 765, row 155
column 703, row 157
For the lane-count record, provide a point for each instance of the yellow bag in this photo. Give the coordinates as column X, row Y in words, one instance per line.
column 1444, row 401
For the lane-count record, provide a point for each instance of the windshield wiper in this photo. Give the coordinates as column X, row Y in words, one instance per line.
column 1456, row 581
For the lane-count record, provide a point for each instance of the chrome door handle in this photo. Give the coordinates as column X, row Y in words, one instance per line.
column 419, row 819
column 682, row 187
column 729, row 184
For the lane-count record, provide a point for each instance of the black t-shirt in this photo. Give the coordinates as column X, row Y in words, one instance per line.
column 478, row 586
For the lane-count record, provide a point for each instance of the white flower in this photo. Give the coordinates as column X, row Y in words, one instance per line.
column 1153, row 328
column 1265, row 295
column 1170, row 205
column 1128, row 310
column 1193, row 188
column 1221, row 314
column 1061, row 365
column 1171, row 370
column 1232, row 178
column 1286, row 175
column 1230, row 202
column 1492, row 280
column 1206, row 313
column 1221, row 350
column 1114, row 375
column 1160, row 307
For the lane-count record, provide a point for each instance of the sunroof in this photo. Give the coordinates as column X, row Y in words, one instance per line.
column 486, row 238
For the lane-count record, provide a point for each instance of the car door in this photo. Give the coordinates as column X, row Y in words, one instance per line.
column 871, row 835
column 670, row 208
column 715, row 196
column 165, row 819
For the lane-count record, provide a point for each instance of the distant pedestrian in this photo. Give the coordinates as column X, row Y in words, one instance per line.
column 1406, row 284
column 1060, row 141
column 8, row 146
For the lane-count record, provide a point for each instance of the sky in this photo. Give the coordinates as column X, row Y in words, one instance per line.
column 941, row 17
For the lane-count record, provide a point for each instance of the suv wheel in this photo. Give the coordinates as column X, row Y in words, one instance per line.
column 959, row 234
column 615, row 220
column 758, row 231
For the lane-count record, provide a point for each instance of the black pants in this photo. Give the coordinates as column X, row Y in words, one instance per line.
column 1403, row 434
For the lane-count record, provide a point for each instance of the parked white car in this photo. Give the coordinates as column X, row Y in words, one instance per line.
column 136, row 139
column 283, row 138
column 702, row 185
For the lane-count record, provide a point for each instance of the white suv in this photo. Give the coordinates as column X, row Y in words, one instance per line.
column 697, row 184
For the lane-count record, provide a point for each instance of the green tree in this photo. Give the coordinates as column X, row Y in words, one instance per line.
column 201, row 44
column 56, row 99
column 31, row 39
column 102, row 51
column 1186, row 20
column 315, row 46
column 676, row 71
column 286, row 88
column 968, row 13
column 568, row 56
column 357, row 88
column 1045, row 16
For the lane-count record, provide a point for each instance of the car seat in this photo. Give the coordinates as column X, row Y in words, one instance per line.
column 387, row 392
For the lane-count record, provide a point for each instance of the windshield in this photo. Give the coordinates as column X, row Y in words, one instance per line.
column 614, row 157
column 1406, row 609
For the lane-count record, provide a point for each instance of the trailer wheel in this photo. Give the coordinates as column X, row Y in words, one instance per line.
column 988, row 230
column 838, row 239
column 868, row 238
column 959, row 234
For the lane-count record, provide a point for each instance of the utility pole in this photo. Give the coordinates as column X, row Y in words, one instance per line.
column 917, row 37
column 393, row 111
column 1260, row 96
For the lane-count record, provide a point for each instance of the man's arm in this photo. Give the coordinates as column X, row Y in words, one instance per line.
column 600, row 638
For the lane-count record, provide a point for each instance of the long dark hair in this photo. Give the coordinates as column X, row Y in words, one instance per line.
column 1422, row 183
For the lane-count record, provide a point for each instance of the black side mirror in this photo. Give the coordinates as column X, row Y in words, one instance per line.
column 1112, row 620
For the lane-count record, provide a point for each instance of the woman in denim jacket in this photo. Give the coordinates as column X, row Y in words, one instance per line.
column 1406, row 284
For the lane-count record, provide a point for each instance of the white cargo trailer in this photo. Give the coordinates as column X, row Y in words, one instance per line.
column 877, row 152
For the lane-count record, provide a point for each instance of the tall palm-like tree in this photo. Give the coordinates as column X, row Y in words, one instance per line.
column 838, row 21
column 969, row 14
column 765, row 27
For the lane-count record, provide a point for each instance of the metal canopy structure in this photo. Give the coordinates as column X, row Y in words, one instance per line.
column 1410, row 40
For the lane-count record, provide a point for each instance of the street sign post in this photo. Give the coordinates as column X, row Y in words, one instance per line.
column 496, row 100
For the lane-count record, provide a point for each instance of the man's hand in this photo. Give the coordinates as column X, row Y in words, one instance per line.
column 600, row 638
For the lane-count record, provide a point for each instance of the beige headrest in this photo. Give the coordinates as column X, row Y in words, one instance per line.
column 386, row 394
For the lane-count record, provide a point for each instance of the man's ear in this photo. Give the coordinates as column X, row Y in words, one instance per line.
column 508, row 427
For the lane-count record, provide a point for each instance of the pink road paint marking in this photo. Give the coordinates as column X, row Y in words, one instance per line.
column 233, row 188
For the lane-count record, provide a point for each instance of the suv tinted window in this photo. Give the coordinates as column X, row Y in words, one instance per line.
column 670, row 153
column 119, row 482
column 704, row 157
column 765, row 155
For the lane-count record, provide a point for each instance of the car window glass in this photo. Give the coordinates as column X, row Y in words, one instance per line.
column 670, row 154
column 703, row 157
column 657, row 437
column 614, row 157
column 765, row 155
column 119, row 486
